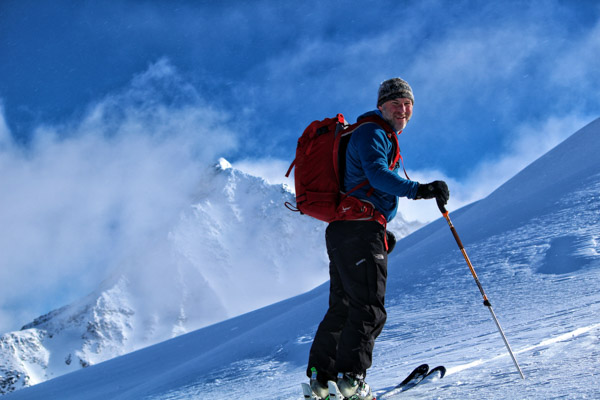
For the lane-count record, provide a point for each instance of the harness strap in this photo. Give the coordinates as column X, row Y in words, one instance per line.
column 377, row 216
column 404, row 169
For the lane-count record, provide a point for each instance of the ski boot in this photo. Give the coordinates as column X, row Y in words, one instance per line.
column 315, row 390
column 354, row 387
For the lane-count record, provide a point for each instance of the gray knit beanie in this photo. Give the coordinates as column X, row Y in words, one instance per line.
column 392, row 89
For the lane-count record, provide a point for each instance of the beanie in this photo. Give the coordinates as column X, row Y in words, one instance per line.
column 392, row 89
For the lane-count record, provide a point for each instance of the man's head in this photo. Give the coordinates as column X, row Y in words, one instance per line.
column 395, row 101
column 392, row 89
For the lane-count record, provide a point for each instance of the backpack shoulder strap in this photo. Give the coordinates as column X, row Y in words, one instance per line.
column 391, row 134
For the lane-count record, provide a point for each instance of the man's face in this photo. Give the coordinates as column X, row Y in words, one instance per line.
column 397, row 112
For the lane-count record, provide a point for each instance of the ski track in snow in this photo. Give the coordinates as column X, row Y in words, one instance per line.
column 557, row 349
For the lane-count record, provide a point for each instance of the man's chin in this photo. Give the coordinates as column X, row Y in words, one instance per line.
column 400, row 125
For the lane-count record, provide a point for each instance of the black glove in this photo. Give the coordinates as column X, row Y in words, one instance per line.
column 436, row 189
column 391, row 241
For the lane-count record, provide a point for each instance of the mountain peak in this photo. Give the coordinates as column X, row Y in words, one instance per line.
column 223, row 164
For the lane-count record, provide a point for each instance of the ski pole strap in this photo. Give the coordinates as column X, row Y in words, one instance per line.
column 442, row 208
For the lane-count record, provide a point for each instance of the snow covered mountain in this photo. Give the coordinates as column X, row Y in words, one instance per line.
column 236, row 238
column 535, row 243
column 233, row 251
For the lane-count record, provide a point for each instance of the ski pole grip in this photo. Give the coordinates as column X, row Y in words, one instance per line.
column 441, row 206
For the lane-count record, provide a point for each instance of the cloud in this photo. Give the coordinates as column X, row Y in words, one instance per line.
column 577, row 69
column 90, row 192
column 5, row 137
column 476, row 73
column 530, row 141
column 270, row 169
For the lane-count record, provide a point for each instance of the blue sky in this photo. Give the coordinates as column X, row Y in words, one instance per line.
column 89, row 90
column 478, row 71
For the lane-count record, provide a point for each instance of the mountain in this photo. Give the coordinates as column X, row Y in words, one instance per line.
column 233, row 251
column 535, row 244
column 230, row 252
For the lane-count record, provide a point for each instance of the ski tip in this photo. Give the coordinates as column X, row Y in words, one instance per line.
column 439, row 370
column 417, row 373
column 422, row 367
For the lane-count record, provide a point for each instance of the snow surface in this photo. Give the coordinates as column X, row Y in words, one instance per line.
column 535, row 244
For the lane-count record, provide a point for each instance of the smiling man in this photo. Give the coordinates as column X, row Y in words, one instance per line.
column 358, row 249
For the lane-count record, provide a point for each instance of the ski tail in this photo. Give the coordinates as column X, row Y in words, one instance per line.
column 307, row 391
column 334, row 391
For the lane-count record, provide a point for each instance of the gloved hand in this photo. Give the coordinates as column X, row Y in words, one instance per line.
column 436, row 189
column 391, row 241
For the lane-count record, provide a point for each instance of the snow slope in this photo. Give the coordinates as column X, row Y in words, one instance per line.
column 535, row 244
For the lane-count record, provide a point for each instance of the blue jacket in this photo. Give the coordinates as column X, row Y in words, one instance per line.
column 368, row 156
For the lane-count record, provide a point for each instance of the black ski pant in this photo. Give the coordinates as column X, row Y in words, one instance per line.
column 358, row 272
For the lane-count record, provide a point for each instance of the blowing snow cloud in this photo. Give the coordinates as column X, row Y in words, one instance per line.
column 85, row 194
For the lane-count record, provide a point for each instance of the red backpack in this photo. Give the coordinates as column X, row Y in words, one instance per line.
column 320, row 168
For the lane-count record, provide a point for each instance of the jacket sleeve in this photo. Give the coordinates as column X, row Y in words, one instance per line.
column 373, row 148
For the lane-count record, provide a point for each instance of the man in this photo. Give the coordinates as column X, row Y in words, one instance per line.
column 358, row 250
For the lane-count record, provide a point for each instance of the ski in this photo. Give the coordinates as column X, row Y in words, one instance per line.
column 418, row 376
column 308, row 393
column 409, row 382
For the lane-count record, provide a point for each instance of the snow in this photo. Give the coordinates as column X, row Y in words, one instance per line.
column 535, row 245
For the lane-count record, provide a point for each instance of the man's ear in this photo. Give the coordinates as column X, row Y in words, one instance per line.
column 380, row 108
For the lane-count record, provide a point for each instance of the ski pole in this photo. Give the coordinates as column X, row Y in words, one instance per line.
column 486, row 301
